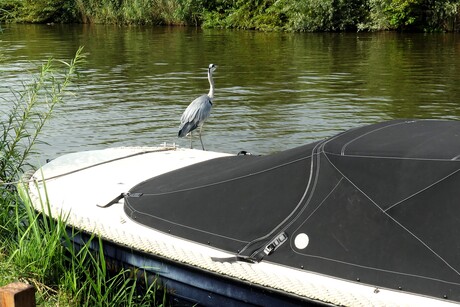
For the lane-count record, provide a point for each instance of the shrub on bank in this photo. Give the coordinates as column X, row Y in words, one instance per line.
column 267, row 15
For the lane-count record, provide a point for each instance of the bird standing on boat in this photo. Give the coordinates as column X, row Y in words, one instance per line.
column 198, row 111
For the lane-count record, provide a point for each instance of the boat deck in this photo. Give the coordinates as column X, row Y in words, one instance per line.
column 79, row 185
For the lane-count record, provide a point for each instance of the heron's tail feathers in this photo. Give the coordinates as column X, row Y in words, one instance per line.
column 186, row 129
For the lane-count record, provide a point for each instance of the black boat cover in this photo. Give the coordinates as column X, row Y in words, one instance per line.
column 379, row 204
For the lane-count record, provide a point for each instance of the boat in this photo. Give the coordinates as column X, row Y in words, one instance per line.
column 370, row 216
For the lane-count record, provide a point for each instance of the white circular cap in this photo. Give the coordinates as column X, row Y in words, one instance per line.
column 301, row 241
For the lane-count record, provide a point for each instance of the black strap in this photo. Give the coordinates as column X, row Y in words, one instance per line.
column 113, row 201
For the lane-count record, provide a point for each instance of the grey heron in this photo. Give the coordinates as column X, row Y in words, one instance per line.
column 198, row 111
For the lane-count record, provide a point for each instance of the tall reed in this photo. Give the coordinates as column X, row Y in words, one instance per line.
column 46, row 254
column 30, row 245
column 28, row 114
column 37, row 248
column 21, row 125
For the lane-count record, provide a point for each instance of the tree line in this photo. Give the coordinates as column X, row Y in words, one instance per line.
column 266, row 15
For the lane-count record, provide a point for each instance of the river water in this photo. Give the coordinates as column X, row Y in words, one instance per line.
column 274, row 91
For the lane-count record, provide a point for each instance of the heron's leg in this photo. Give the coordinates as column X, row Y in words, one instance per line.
column 191, row 140
column 202, row 146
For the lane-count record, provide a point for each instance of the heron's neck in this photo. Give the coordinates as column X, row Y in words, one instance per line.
column 211, row 85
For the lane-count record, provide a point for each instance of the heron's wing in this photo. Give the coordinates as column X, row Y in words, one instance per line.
column 198, row 111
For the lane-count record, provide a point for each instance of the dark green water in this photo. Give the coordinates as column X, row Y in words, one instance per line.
column 273, row 90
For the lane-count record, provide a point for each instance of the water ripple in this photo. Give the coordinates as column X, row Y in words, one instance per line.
column 271, row 93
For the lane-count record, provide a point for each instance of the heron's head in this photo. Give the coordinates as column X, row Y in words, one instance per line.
column 212, row 67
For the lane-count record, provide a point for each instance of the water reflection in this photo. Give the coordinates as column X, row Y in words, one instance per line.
column 273, row 90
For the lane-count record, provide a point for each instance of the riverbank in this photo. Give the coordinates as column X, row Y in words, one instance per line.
column 267, row 15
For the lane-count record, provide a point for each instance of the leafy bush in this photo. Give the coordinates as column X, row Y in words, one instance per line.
column 38, row 11
column 377, row 18
column 440, row 15
column 267, row 15
column 10, row 10
column 403, row 13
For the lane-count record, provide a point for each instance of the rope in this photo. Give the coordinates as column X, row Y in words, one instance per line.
column 87, row 167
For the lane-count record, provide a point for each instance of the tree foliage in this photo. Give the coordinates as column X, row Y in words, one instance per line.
column 286, row 15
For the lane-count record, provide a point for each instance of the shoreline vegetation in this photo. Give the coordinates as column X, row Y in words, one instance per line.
column 264, row 15
column 36, row 248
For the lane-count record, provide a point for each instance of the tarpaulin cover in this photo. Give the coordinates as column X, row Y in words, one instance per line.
column 379, row 204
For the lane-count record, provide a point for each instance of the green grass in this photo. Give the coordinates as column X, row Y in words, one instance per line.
column 37, row 248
